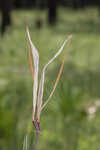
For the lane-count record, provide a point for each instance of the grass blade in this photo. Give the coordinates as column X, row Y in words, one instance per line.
column 36, row 64
column 41, row 87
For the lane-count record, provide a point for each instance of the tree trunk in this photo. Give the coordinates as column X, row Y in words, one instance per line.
column 83, row 3
column 75, row 4
column 99, row 8
column 6, row 6
column 52, row 11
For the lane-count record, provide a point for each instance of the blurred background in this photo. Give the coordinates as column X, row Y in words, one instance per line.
column 71, row 121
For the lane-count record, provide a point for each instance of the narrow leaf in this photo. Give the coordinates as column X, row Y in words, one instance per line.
column 41, row 87
column 36, row 63
column 26, row 143
column 56, row 83
column 30, row 60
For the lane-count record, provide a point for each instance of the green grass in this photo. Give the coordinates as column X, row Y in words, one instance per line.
column 64, row 123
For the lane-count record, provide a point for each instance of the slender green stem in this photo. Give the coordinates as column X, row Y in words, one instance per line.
column 36, row 140
column 36, row 124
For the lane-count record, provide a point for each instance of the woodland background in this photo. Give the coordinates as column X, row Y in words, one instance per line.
column 71, row 121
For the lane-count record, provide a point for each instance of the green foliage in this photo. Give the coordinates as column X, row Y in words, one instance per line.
column 65, row 122
column 6, row 124
column 70, row 97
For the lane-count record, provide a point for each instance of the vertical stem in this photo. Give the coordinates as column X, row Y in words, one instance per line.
column 36, row 140
column 36, row 124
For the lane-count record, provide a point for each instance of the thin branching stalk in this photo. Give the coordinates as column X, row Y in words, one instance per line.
column 37, row 128
column 36, row 140
column 38, row 90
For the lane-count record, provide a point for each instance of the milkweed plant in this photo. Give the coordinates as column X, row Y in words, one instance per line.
column 38, row 88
